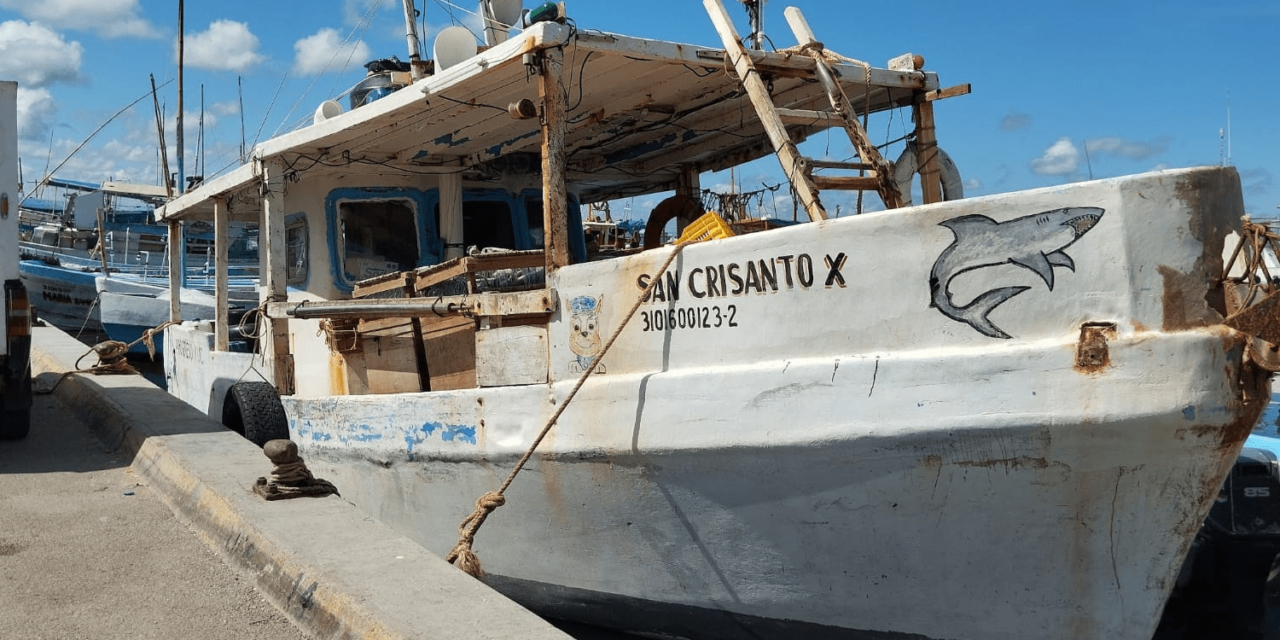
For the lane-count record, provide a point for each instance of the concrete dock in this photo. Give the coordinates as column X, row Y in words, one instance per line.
column 331, row 569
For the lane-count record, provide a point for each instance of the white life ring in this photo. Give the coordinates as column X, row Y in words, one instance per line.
column 904, row 170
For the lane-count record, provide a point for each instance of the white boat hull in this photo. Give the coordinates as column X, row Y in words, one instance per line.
column 837, row 451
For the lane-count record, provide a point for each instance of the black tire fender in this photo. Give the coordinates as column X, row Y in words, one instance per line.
column 253, row 410
column 676, row 206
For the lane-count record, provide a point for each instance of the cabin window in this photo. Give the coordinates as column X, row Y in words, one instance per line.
column 486, row 223
column 378, row 236
column 295, row 239
column 533, row 206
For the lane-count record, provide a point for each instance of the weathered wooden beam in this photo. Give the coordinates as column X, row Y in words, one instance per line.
column 221, row 330
column 555, row 196
column 927, row 153
column 272, row 254
column 176, row 242
column 788, row 155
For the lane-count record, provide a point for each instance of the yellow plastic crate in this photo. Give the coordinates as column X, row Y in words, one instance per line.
column 709, row 226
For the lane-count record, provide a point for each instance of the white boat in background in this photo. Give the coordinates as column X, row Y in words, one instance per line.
column 106, row 232
column 988, row 418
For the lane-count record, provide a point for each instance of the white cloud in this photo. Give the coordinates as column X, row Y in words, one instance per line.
column 972, row 184
column 225, row 46
column 324, row 52
column 35, row 56
column 36, row 111
column 1061, row 158
column 227, row 108
column 1131, row 149
column 108, row 18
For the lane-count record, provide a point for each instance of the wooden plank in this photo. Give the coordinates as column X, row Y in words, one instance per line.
column 520, row 303
column 222, row 312
column 807, row 116
column 555, row 197
column 846, row 166
column 949, row 92
column 389, row 282
column 788, row 155
column 847, row 183
column 389, row 365
column 451, row 350
column 511, row 355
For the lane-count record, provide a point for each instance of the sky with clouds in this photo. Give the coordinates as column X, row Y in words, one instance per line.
column 1062, row 92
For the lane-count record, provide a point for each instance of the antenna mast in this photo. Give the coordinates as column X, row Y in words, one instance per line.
column 756, row 14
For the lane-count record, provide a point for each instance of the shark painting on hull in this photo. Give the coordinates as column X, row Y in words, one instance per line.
column 1034, row 242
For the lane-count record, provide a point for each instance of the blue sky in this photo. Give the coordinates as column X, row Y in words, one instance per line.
column 1061, row 91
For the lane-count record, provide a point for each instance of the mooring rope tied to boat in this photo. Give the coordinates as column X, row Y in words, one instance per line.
column 461, row 553
column 111, row 356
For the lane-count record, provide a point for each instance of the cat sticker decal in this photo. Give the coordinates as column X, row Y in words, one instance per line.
column 1035, row 242
column 584, row 336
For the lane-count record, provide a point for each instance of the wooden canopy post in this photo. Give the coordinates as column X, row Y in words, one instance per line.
column 272, row 249
column 175, row 271
column 222, row 315
column 555, row 197
column 927, row 150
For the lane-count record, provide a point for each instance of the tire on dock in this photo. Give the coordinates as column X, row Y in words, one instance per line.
column 253, row 410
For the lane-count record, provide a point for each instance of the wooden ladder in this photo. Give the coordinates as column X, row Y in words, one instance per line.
column 798, row 168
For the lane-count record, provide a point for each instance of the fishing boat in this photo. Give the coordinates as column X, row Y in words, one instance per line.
column 93, row 256
column 992, row 417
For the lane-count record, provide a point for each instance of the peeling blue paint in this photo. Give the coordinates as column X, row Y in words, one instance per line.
column 1189, row 412
column 447, row 139
column 633, row 152
column 496, row 150
column 367, row 436
column 451, row 432
column 305, row 430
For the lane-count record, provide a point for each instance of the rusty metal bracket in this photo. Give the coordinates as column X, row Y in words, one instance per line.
column 1253, row 297
column 1092, row 353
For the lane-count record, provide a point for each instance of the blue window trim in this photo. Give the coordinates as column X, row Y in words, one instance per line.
column 577, row 237
column 429, row 247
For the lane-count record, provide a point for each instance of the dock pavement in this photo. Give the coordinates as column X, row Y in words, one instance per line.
column 331, row 569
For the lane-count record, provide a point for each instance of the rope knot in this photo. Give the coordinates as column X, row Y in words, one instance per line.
column 462, row 553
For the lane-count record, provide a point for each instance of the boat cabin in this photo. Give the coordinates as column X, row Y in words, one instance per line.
column 412, row 243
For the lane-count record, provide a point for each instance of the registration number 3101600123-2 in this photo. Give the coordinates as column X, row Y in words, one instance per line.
column 695, row 317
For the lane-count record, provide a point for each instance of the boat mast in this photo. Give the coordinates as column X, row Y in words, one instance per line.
column 415, row 55
column 181, row 178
